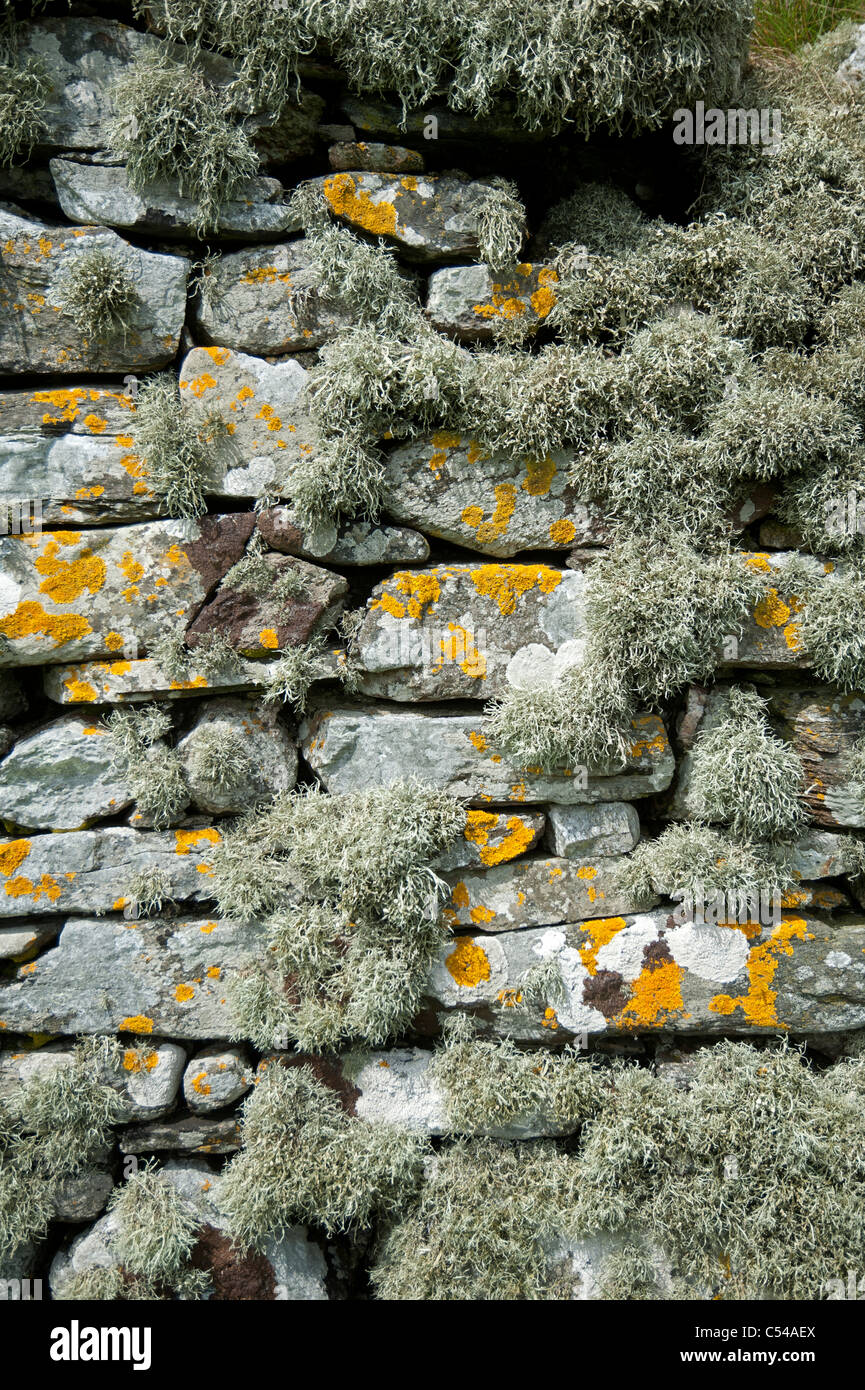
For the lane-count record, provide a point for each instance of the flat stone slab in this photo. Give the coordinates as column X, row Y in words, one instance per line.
column 599, row 831
column 102, row 193
column 131, row 682
column 824, row 728
column 265, row 408
column 430, row 217
column 353, row 747
column 21, row 939
column 360, row 543
column 262, row 300
column 93, row 870
column 462, row 631
column 644, row 974
column 499, row 504
column 535, row 892
column 491, row 838
column 36, row 335
column 374, row 157
column 468, row 301
column 148, row 977
column 60, row 777
column 192, row 1135
column 67, row 595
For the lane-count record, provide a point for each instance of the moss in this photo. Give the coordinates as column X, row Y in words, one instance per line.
column 174, row 444
column 304, row 1160
column 152, row 771
column 97, row 292
column 110, row 1285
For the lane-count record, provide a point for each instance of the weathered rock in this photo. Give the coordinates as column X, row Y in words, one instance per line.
column 23, row 939
column 373, row 157
column 83, row 1196
column 350, row 748
column 467, row 301
column 263, row 301
column 147, row 1080
column 642, row 975
column 256, row 624
column 294, row 133
column 12, row 698
column 192, row 1135
column 380, row 119
column 499, row 504
column 128, row 682
column 578, row 832
column 492, row 837
column 215, row 1077
column 36, row 335
column 292, row 1268
column 102, row 193
column 535, row 892
column 430, row 217
column 462, row 631
column 65, row 595
column 108, row 976
column 266, row 411
column 772, row 636
column 361, row 543
column 271, row 756
column 94, row 870
column 17, row 1284
column 61, row 777
column 851, row 73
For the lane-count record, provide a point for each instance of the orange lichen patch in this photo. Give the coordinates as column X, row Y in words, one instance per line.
column 759, row 560
column 65, row 403
column 31, row 620
column 66, row 580
column 114, row 641
column 587, row 872
column 186, row 839
column 472, row 516
column 481, row 824
column 214, row 972
column 544, row 297
column 195, row 683
column 183, row 993
column 481, row 914
column 468, row 963
column 95, row 424
column 460, row 647
column 12, row 856
column 265, row 275
column 119, row 904
column 509, row 998
column 772, row 611
column 656, row 997
column 505, row 584
column 132, row 1062
column 81, row 691
column 758, row 1005
column 199, row 1084
column 268, row 638
column 657, row 744
column 421, row 591
column 207, row 928
column 562, row 532
column 138, row 1023
column 600, row 931
column 460, row 895
column 82, row 494
column 478, row 741
column 378, row 218
column 506, row 501
column 201, row 384
column 550, row 1019
column 268, row 414
column 220, row 355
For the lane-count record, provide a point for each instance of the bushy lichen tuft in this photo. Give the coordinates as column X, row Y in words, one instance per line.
column 156, row 1232
column 97, row 292
column 174, row 445
column 151, row 769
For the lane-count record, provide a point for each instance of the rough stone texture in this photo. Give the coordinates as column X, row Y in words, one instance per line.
column 271, row 752
column 645, row 974
column 21, row 940
column 579, row 831
column 492, row 837
column 83, row 1196
column 107, row 976
column 60, row 777
column 392, row 123
column 292, row 1268
column 256, row 625
column 266, row 411
column 771, row 639
column 361, row 543
column 350, row 748
column 215, row 1077
column 263, row 300
column 93, row 870
column 465, row 631
column 147, row 1082
column 293, row 133
column 430, row 217
column 65, row 595
column 102, row 193
column 36, row 335
column 191, row 1135
column 130, row 682
column 12, row 698
column 498, row 504
column 374, row 157
column 467, row 301
column 851, row 73
column 535, row 892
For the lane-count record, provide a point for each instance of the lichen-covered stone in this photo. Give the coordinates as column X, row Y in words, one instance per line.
column 350, row 748
column 460, row 631
column 646, row 974
column 292, row 132
column 66, row 595
column 147, row 977
column 147, row 1080
column 61, row 777
column 265, row 409
column 215, row 1077
column 468, row 301
column 21, row 940
column 258, row 624
column 534, row 892
column 577, row 832
column 498, row 504
column 263, row 300
column 491, row 838
column 191, row 1135
column 82, row 1196
column 131, row 682
column 94, row 870
column 268, row 746
column 772, row 635
column 359, row 543
column 373, row 157
column 37, row 335
column 851, row 73
column 824, row 728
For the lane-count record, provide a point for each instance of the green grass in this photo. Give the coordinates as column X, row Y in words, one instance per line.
column 788, row 24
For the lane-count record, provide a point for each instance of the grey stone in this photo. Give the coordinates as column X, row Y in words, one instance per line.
column 61, row 777
column 772, row 636
column 392, row 123
column 350, row 747
column 491, row 838
column 193, row 1135
column 130, row 682
column 851, row 73
column 271, row 753
column 102, row 193
column 77, row 480
column 535, row 892
column 498, row 504
column 469, row 631
column 216, row 1077
column 93, row 870
column 468, row 301
column 599, row 830
column 22, row 939
column 374, row 157
column 67, row 595
column 262, row 300
column 108, row 976
column 38, row 336
column 83, row 1196
column 147, row 1079
column 293, row 133
column 360, row 543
